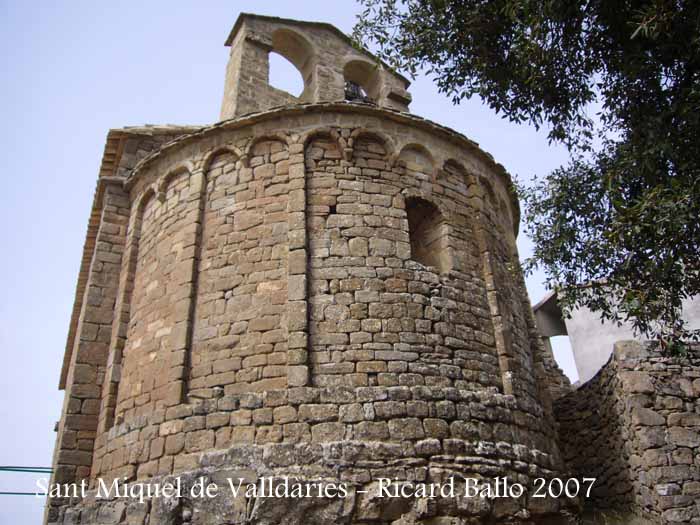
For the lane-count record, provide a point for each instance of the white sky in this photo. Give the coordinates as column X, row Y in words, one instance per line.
column 69, row 71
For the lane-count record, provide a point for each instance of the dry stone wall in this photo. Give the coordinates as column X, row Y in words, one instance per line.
column 635, row 427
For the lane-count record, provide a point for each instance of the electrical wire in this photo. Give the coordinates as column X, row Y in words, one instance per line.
column 31, row 470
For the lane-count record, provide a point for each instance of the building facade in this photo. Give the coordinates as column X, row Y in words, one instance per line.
column 592, row 339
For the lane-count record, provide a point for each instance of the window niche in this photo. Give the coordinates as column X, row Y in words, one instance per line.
column 427, row 230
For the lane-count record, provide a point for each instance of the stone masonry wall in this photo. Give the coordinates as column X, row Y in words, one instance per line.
column 324, row 57
column 156, row 302
column 240, row 339
column 377, row 317
column 268, row 309
column 635, row 427
column 91, row 336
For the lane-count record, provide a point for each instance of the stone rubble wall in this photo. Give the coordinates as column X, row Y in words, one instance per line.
column 559, row 383
column 635, row 427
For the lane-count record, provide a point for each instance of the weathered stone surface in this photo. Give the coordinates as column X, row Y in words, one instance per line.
column 647, row 417
column 325, row 290
column 637, row 382
column 629, row 429
column 684, row 437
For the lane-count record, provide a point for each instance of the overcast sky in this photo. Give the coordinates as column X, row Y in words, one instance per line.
column 71, row 71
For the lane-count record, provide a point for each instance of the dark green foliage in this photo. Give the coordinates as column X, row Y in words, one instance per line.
column 617, row 229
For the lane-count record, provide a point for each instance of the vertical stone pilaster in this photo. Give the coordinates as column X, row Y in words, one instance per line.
column 73, row 454
column 120, row 325
column 500, row 331
column 297, row 305
column 180, row 363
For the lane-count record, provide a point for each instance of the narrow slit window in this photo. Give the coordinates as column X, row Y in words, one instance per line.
column 428, row 234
